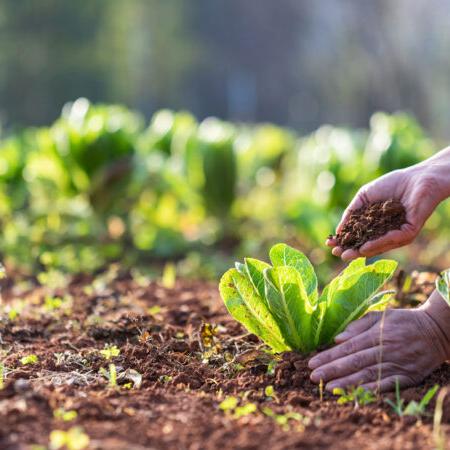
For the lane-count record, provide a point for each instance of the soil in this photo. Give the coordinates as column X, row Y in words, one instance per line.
column 191, row 356
column 370, row 222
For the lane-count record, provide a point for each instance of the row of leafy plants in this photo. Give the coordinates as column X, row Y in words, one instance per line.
column 100, row 185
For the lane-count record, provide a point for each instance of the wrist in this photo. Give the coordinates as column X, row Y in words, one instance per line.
column 438, row 311
column 438, row 168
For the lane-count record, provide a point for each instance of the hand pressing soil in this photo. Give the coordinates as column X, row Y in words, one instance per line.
column 370, row 222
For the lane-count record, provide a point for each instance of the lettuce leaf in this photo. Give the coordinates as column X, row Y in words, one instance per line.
column 352, row 293
column 289, row 304
column 283, row 255
column 247, row 307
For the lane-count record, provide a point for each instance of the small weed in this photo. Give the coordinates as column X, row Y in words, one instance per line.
column 73, row 439
column 110, row 352
column 244, row 410
column 283, row 419
column 29, row 360
column 230, row 406
column 165, row 378
column 269, row 392
column 229, row 403
column 64, row 415
column 358, row 395
column 111, row 376
column 413, row 408
column 53, row 303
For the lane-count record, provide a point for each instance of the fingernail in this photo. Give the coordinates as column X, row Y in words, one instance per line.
column 316, row 376
column 342, row 336
column 313, row 363
column 331, row 386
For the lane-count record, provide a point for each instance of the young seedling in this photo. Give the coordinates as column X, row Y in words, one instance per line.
column 29, row 360
column 283, row 419
column 64, row 415
column 73, row 439
column 53, row 303
column 413, row 408
column 230, row 406
column 281, row 304
column 111, row 376
column 110, row 352
column 358, row 395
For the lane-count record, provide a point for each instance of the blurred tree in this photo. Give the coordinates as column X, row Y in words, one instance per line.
column 294, row 62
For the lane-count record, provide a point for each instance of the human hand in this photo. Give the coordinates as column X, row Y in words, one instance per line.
column 380, row 348
column 419, row 188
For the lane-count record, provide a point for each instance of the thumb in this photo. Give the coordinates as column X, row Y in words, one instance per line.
column 359, row 326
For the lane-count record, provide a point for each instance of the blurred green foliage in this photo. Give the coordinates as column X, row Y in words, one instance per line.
column 99, row 185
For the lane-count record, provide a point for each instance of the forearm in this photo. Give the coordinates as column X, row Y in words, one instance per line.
column 438, row 166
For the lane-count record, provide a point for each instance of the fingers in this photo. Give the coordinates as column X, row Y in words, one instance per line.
column 331, row 242
column 368, row 375
column 356, row 344
column 347, row 365
column 392, row 239
column 359, row 326
column 348, row 255
column 388, row 383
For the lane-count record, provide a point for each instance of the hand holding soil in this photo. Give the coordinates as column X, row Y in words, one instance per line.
column 419, row 189
column 377, row 349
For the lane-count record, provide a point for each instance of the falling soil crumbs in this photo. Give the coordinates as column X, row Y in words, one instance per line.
column 370, row 222
column 179, row 356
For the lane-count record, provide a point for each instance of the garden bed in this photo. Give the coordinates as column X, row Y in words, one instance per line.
column 192, row 356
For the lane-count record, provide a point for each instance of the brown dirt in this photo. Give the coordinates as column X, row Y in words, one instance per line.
column 191, row 356
column 370, row 222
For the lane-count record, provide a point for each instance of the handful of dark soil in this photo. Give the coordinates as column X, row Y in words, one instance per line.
column 370, row 222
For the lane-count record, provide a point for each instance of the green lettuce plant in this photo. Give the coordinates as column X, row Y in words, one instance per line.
column 280, row 303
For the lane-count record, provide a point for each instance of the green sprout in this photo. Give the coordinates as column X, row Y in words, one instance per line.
column 29, row 360
column 413, row 408
column 230, row 406
column 110, row 351
column 64, row 415
column 358, row 395
column 111, row 376
column 52, row 303
column 283, row 419
column 72, row 439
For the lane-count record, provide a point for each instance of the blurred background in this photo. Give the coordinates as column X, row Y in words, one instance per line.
column 109, row 152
